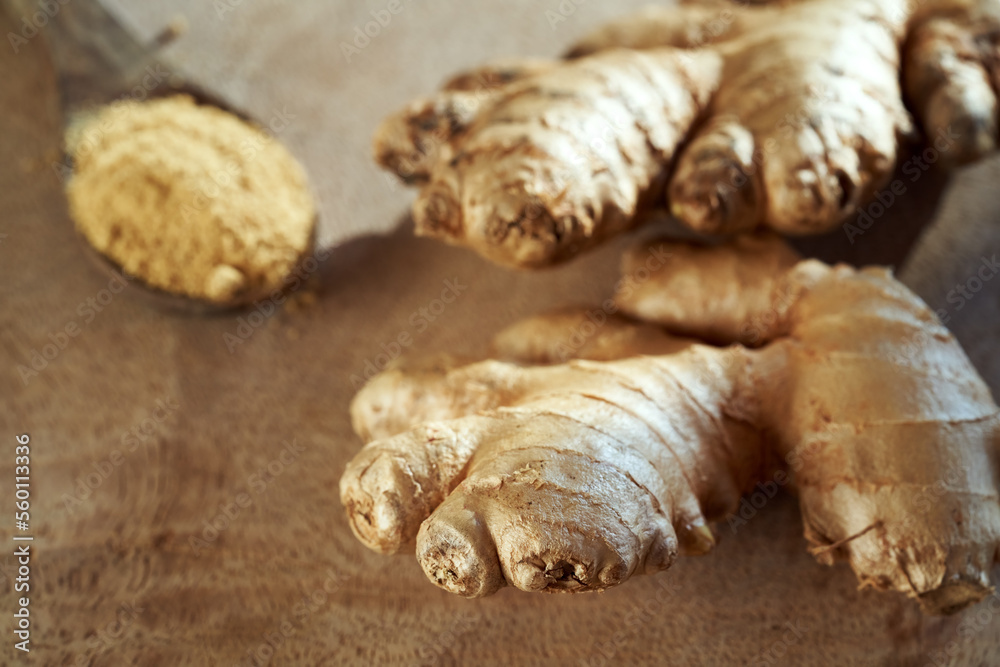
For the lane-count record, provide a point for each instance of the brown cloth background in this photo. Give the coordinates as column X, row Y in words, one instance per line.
column 116, row 579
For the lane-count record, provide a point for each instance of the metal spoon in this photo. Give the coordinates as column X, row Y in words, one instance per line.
column 97, row 62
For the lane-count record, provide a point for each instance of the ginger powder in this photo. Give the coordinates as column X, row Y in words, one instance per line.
column 189, row 198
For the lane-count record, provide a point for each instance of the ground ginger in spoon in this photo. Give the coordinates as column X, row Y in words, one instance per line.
column 189, row 198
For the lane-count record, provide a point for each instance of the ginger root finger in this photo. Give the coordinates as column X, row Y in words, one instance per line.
column 825, row 112
column 393, row 484
column 572, row 542
column 891, row 435
column 728, row 293
column 445, row 386
column 432, row 389
column 599, row 483
column 805, row 122
column 715, row 187
column 894, row 452
column 580, row 333
column 561, row 159
column 951, row 75
column 410, row 141
column 676, row 457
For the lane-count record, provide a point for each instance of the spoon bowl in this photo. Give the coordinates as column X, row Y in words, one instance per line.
column 98, row 62
column 179, row 303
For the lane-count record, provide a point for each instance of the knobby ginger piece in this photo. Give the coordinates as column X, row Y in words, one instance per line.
column 553, row 160
column 787, row 115
column 575, row 476
column 189, row 198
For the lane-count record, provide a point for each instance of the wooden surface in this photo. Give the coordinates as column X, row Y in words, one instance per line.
column 287, row 564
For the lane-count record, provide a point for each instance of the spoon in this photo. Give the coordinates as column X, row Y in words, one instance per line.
column 97, row 62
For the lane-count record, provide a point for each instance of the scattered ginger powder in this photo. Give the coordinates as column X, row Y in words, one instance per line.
column 189, row 198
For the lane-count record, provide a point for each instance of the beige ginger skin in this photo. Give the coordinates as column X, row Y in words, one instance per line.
column 736, row 116
column 574, row 476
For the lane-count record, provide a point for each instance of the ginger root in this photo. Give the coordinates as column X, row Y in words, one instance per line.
column 576, row 475
column 516, row 173
column 787, row 117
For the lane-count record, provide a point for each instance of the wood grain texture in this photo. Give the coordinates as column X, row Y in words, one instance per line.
column 288, row 562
